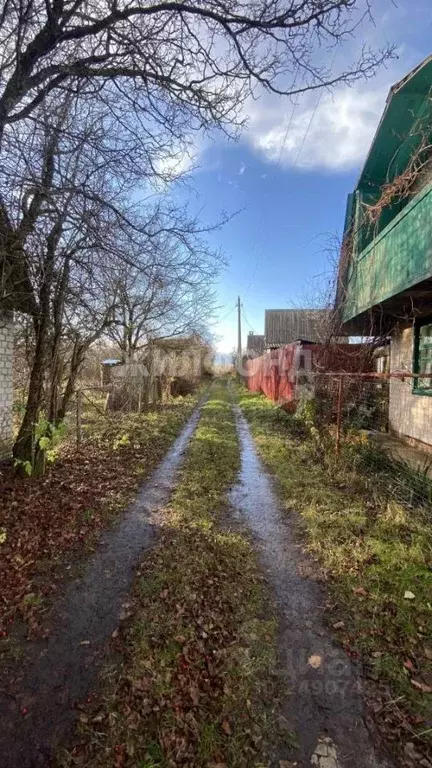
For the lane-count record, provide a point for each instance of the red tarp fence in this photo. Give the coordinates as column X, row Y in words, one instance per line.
column 275, row 372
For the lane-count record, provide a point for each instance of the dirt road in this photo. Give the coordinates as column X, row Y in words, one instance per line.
column 322, row 701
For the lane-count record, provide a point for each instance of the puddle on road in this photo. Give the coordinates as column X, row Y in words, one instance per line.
column 65, row 666
column 323, row 697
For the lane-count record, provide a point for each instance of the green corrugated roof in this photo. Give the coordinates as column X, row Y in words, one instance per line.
column 407, row 114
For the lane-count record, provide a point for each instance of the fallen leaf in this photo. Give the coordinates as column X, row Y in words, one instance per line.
column 226, row 727
column 120, row 758
column 315, row 661
column 421, row 686
column 360, row 591
column 409, row 595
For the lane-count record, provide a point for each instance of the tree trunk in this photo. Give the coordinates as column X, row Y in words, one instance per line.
column 56, row 359
column 76, row 362
column 24, row 448
column 54, row 390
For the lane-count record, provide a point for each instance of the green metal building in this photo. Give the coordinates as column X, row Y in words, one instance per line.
column 385, row 271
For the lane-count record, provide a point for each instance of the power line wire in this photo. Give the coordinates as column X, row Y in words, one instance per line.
column 307, row 129
column 243, row 313
column 290, row 121
column 230, row 311
column 318, row 101
column 291, row 118
column 306, row 134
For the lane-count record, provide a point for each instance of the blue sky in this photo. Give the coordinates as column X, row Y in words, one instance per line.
column 289, row 174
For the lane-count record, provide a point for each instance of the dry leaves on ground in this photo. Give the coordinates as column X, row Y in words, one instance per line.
column 45, row 520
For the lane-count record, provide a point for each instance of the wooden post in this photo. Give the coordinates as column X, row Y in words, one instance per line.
column 339, row 415
column 239, row 338
column 150, row 383
column 78, row 418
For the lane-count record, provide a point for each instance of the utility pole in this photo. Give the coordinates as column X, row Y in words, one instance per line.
column 239, row 339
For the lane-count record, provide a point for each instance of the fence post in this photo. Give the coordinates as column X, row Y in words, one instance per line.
column 339, row 415
column 78, row 417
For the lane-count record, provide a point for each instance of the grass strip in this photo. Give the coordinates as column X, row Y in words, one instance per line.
column 374, row 553
column 198, row 651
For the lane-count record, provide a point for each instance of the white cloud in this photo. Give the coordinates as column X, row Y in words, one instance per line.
column 333, row 130
column 330, row 131
column 326, row 130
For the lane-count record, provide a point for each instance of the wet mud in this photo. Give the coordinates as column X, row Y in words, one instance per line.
column 41, row 708
column 322, row 701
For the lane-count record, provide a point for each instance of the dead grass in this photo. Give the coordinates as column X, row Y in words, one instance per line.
column 376, row 554
column 199, row 651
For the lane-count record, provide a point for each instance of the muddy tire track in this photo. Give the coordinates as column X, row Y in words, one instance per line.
column 63, row 668
column 323, row 702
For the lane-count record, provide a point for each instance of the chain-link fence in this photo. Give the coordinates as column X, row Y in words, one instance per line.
column 87, row 408
column 350, row 401
column 359, row 416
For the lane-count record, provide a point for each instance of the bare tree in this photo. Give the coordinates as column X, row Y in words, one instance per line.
column 94, row 99
column 169, row 293
column 161, row 70
column 65, row 249
column 88, row 246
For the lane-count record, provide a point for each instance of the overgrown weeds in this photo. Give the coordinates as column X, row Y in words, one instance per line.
column 198, row 652
column 375, row 548
column 391, row 476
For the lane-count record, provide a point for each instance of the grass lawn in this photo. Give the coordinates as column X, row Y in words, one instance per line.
column 45, row 520
column 375, row 553
column 198, row 651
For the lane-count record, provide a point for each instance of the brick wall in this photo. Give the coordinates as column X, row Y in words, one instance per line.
column 410, row 415
column 6, row 386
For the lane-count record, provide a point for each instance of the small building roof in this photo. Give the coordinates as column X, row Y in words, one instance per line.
column 284, row 326
column 255, row 343
column 170, row 343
